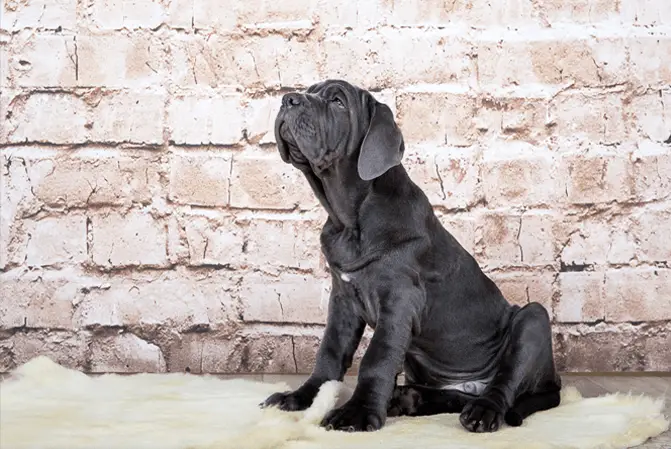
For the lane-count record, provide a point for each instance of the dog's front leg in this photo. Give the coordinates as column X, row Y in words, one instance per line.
column 383, row 361
column 341, row 338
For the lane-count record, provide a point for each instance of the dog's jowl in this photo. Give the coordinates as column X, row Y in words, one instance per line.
column 435, row 314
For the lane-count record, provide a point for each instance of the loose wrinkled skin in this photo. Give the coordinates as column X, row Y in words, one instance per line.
column 394, row 267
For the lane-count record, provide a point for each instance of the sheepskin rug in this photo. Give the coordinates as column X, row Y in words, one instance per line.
column 46, row 406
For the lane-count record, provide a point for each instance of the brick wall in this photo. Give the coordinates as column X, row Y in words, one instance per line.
column 148, row 223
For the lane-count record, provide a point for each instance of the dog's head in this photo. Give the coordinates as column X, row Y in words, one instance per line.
column 335, row 123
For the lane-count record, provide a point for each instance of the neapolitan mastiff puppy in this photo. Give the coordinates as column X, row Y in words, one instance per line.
column 435, row 314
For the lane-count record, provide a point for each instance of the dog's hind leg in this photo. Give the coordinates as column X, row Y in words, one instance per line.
column 528, row 404
column 413, row 400
column 526, row 380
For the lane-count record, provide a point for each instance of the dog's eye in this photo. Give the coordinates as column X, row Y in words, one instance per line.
column 338, row 102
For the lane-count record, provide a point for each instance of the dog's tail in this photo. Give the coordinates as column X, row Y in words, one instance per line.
column 527, row 404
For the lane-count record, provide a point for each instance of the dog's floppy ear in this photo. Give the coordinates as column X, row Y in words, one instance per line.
column 382, row 148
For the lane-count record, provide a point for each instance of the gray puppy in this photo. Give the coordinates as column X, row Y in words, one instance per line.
column 435, row 314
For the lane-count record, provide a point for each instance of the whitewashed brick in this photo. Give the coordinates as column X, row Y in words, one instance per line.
column 38, row 300
column 581, row 297
column 43, row 60
column 642, row 294
column 133, row 239
column 116, row 61
column 462, row 229
column 498, row 238
column 521, row 288
column 537, row 238
column 116, row 14
column 129, row 116
column 125, row 353
column 93, row 177
column 598, row 241
column 56, row 239
column 597, row 178
column 49, row 14
column 283, row 243
column 214, row 240
column 598, row 118
column 179, row 303
column 205, row 119
column 265, row 182
column 200, row 178
column 292, row 298
column 520, row 175
column 419, row 57
column 47, row 117
column 442, row 118
column 651, row 227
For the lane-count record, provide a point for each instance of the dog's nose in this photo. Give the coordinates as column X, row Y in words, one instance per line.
column 292, row 99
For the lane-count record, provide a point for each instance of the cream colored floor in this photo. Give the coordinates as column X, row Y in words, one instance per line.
column 589, row 385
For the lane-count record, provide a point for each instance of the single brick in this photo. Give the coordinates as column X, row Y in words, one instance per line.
column 117, row 14
column 129, row 116
column 231, row 60
column 449, row 177
column 282, row 243
column 537, row 238
column 582, row 62
column 648, row 116
column 420, row 56
column 67, row 348
column 642, row 294
column 93, row 177
column 462, row 228
column 56, row 239
column 252, row 353
column 597, row 350
column 598, row 118
column 581, row 297
column 205, row 119
column 650, row 57
column 179, row 303
column 499, row 238
column 656, row 351
column 49, row 14
column 125, row 353
column 578, row 11
column 131, row 239
column 116, row 61
column 200, row 178
column 265, row 182
column 650, row 227
column 595, row 240
column 597, row 178
column 214, row 240
column 437, row 117
column 45, row 300
column 518, row 174
column 46, row 117
column 43, row 60
column 521, row 288
column 652, row 171
column 294, row 298
column 646, row 12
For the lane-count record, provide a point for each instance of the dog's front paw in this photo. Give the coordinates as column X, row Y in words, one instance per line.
column 289, row 401
column 482, row 415
column 354, row 416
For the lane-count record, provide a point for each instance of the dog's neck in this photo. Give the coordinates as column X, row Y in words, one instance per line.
column 343, row 192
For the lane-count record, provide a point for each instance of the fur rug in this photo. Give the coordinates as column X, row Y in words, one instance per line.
column 46, row 406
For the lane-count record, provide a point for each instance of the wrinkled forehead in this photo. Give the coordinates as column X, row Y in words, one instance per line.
column 329, row 88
